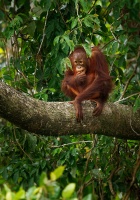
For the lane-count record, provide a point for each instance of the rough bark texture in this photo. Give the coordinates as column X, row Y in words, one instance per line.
column 58, row 118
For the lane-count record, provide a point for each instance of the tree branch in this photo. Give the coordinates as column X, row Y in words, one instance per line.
column 58, row 118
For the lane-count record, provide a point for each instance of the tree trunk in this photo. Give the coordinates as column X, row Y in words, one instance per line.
column 58, row 118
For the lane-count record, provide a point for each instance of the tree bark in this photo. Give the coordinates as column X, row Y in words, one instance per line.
column 58, row 118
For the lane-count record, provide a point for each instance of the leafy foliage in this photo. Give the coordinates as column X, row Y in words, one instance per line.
column 46, row 188
column 36, row 38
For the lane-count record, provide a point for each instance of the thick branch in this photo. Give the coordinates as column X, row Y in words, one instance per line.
column 58, row 118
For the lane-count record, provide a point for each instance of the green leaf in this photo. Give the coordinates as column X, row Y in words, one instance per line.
column 47, row 4
column 87, row 47
column 52, row 90
column 114, row 47
column 7, row 78
column 74, row 23
column 10, row 195
column 31, row 191
column 1, row 15
column 56, row 40
column 31, row 142
column 20, row 194
column 88, row 21
column 68, row 41
column 16, row 176
column 17, row 64
column 37, row 10
column 51, row 26
column 57, row 173
column 68, row 190
column 121, row 61
column 97, row 173
column 43, row 179
column 16, row 22
column 86, row 5
column 43, row 164
column 44, row 97
column 5, row 173
column 65, row 62
column 89, row 197
column 30, row 29
column 96, row 20
column 7, row 189
column 136, row 105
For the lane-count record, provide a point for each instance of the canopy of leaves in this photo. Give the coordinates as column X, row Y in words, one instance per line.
column 36, row 38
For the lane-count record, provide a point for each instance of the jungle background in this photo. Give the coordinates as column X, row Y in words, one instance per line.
column 36, row 38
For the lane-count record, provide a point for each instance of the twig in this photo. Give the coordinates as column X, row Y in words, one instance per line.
column 138, row 93
column 133, row 74
column 127, row 83
column 114, row 35
column 72, row 144
column 111, row 67
column 41, row 44
column 80, row 191
column 43, row 33
column 77, row 10
column 20, row 146
column 137, row 165
column 107, row 43
column 110, row 180
column 61, row 14
column 92, row 7
column 26, row 80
